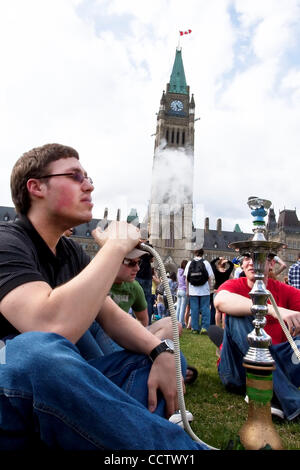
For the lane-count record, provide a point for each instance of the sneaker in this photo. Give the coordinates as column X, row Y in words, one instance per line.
column 275, row 408
column 195, row 332
column 176, row 418
column 203, row 331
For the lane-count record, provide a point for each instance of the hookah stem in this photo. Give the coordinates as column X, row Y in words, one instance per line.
column 181, row 401
column 284, row 327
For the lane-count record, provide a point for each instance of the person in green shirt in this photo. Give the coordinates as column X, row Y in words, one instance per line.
column 127, row 293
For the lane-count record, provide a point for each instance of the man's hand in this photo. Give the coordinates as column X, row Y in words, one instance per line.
column 290, row 317
column 120, row 233
column 163, row 377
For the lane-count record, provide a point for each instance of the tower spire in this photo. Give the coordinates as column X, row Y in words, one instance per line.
column 177, row 79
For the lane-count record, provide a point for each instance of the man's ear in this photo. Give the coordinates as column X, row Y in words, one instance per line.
column 35, row 187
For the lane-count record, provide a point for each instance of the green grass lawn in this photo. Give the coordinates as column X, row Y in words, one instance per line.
column 219, row 415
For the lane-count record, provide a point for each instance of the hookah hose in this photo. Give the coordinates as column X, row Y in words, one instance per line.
column 284, row 327
column 181, row 401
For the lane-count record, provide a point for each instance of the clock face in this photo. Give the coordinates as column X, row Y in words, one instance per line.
column 176, row 105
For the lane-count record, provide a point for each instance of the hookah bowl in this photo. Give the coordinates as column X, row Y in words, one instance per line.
column 258, row 432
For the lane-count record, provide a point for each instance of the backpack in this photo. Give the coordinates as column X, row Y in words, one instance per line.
column 197, row 273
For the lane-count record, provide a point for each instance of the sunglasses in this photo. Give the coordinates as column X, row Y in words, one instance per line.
column 76, row 176
column 130, row 263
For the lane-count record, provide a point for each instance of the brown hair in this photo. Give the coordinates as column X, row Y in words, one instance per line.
column 33, row 164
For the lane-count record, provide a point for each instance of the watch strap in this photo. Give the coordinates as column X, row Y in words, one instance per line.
column 162, row 347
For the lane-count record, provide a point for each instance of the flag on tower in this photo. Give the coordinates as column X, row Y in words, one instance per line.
column 185, row 32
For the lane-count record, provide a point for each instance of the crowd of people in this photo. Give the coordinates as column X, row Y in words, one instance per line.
column 194, row 304
column 87, row 360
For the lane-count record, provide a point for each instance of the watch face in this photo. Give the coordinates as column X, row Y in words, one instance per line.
column 169, row 343
column 176, row 105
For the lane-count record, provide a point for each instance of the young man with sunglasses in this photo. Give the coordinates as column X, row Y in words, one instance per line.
column 233, row 299
column 56, row 385
column 127, row 292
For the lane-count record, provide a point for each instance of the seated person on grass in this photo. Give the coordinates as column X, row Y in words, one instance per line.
column 51, row 296
column 233, row 299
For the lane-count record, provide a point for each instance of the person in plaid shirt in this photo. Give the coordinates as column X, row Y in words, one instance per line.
column 294, row 274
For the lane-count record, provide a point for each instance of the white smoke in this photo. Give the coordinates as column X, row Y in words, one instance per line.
column 172, row 178
column 172, row 192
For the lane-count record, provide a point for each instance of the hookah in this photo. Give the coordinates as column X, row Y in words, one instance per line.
column 258, row 432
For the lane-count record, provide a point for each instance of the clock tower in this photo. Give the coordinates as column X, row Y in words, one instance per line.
column 170, row 211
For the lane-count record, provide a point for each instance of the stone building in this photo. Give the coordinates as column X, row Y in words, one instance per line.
column 285, row 230
column 215, row 241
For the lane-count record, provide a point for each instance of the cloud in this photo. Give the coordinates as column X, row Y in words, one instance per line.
column 90, row 73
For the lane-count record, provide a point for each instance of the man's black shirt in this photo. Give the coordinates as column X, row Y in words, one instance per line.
column 25, row 257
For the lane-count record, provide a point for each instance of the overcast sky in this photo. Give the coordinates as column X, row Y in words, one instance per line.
column 90, row 74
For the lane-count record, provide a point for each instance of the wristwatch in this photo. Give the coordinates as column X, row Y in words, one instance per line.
column 166, row 345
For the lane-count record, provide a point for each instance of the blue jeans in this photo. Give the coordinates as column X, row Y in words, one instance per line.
column 200, row 303
column 50, row 393
column 161, row 310
column 181, row 305
column 286, row 377
column 146, row 285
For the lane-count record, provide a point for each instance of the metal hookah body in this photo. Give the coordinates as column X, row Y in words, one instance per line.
column 258, row 432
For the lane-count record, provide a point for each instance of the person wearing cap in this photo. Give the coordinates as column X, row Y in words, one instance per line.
column 126, row 291
column 128, row 294
column 53, row 298
column 234, row 300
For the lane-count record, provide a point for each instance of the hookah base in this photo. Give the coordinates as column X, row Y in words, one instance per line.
column 259, row 432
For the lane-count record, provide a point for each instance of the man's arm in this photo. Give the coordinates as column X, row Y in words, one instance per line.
column 130, row 334
column 70, row 309
column 232, row 304
column 281, row 264
column 238, row 305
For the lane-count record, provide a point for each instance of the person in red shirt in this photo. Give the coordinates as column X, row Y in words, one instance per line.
column 233, row 299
